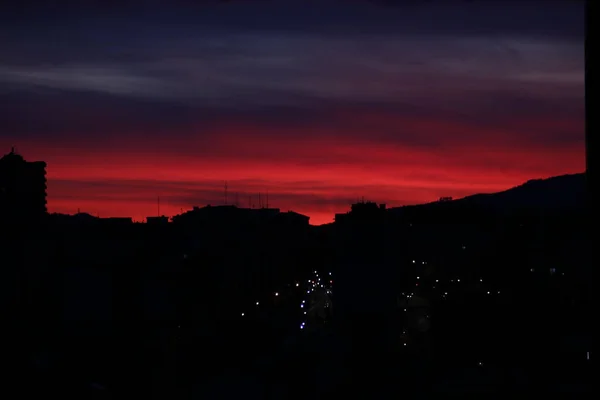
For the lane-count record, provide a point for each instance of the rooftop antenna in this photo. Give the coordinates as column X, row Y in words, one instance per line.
column 158, row 206
column 259, row 201
column 236, row 199
column 250, row 201
column 267, row 199
column 225, row 192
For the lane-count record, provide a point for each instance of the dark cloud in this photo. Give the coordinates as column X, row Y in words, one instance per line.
column 542, row 17
column 127, row 34
column 60, row 117
column 64, row 115
column 173, row 68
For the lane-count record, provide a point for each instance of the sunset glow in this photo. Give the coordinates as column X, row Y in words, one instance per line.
column 314, row 117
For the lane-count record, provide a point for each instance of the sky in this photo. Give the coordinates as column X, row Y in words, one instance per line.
column 317, row 103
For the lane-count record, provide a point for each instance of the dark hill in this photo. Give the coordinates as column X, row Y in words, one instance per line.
column 551, row 194
column 559, row 192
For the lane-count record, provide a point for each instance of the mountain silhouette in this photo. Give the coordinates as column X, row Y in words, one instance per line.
column 555, row 193
column 552, row 194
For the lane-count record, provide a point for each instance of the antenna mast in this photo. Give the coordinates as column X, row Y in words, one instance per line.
column 267, row 199
column 225, row 192
column 158, row 206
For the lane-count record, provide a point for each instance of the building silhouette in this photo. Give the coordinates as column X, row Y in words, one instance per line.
column 230, row 215
column 362, row 211
column 22, row 188
column 158, row 220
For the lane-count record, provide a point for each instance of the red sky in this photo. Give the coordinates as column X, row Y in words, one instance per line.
column 420, row 102
column 318, row 175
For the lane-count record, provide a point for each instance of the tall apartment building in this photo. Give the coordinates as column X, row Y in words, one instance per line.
column 22, row 188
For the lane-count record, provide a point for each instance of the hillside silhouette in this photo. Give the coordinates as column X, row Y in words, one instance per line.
column 555, row 193
column 562, row 192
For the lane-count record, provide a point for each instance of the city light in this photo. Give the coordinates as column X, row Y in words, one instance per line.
column 423, row 299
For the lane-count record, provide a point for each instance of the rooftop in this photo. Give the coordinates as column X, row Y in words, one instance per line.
column 12, row 157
